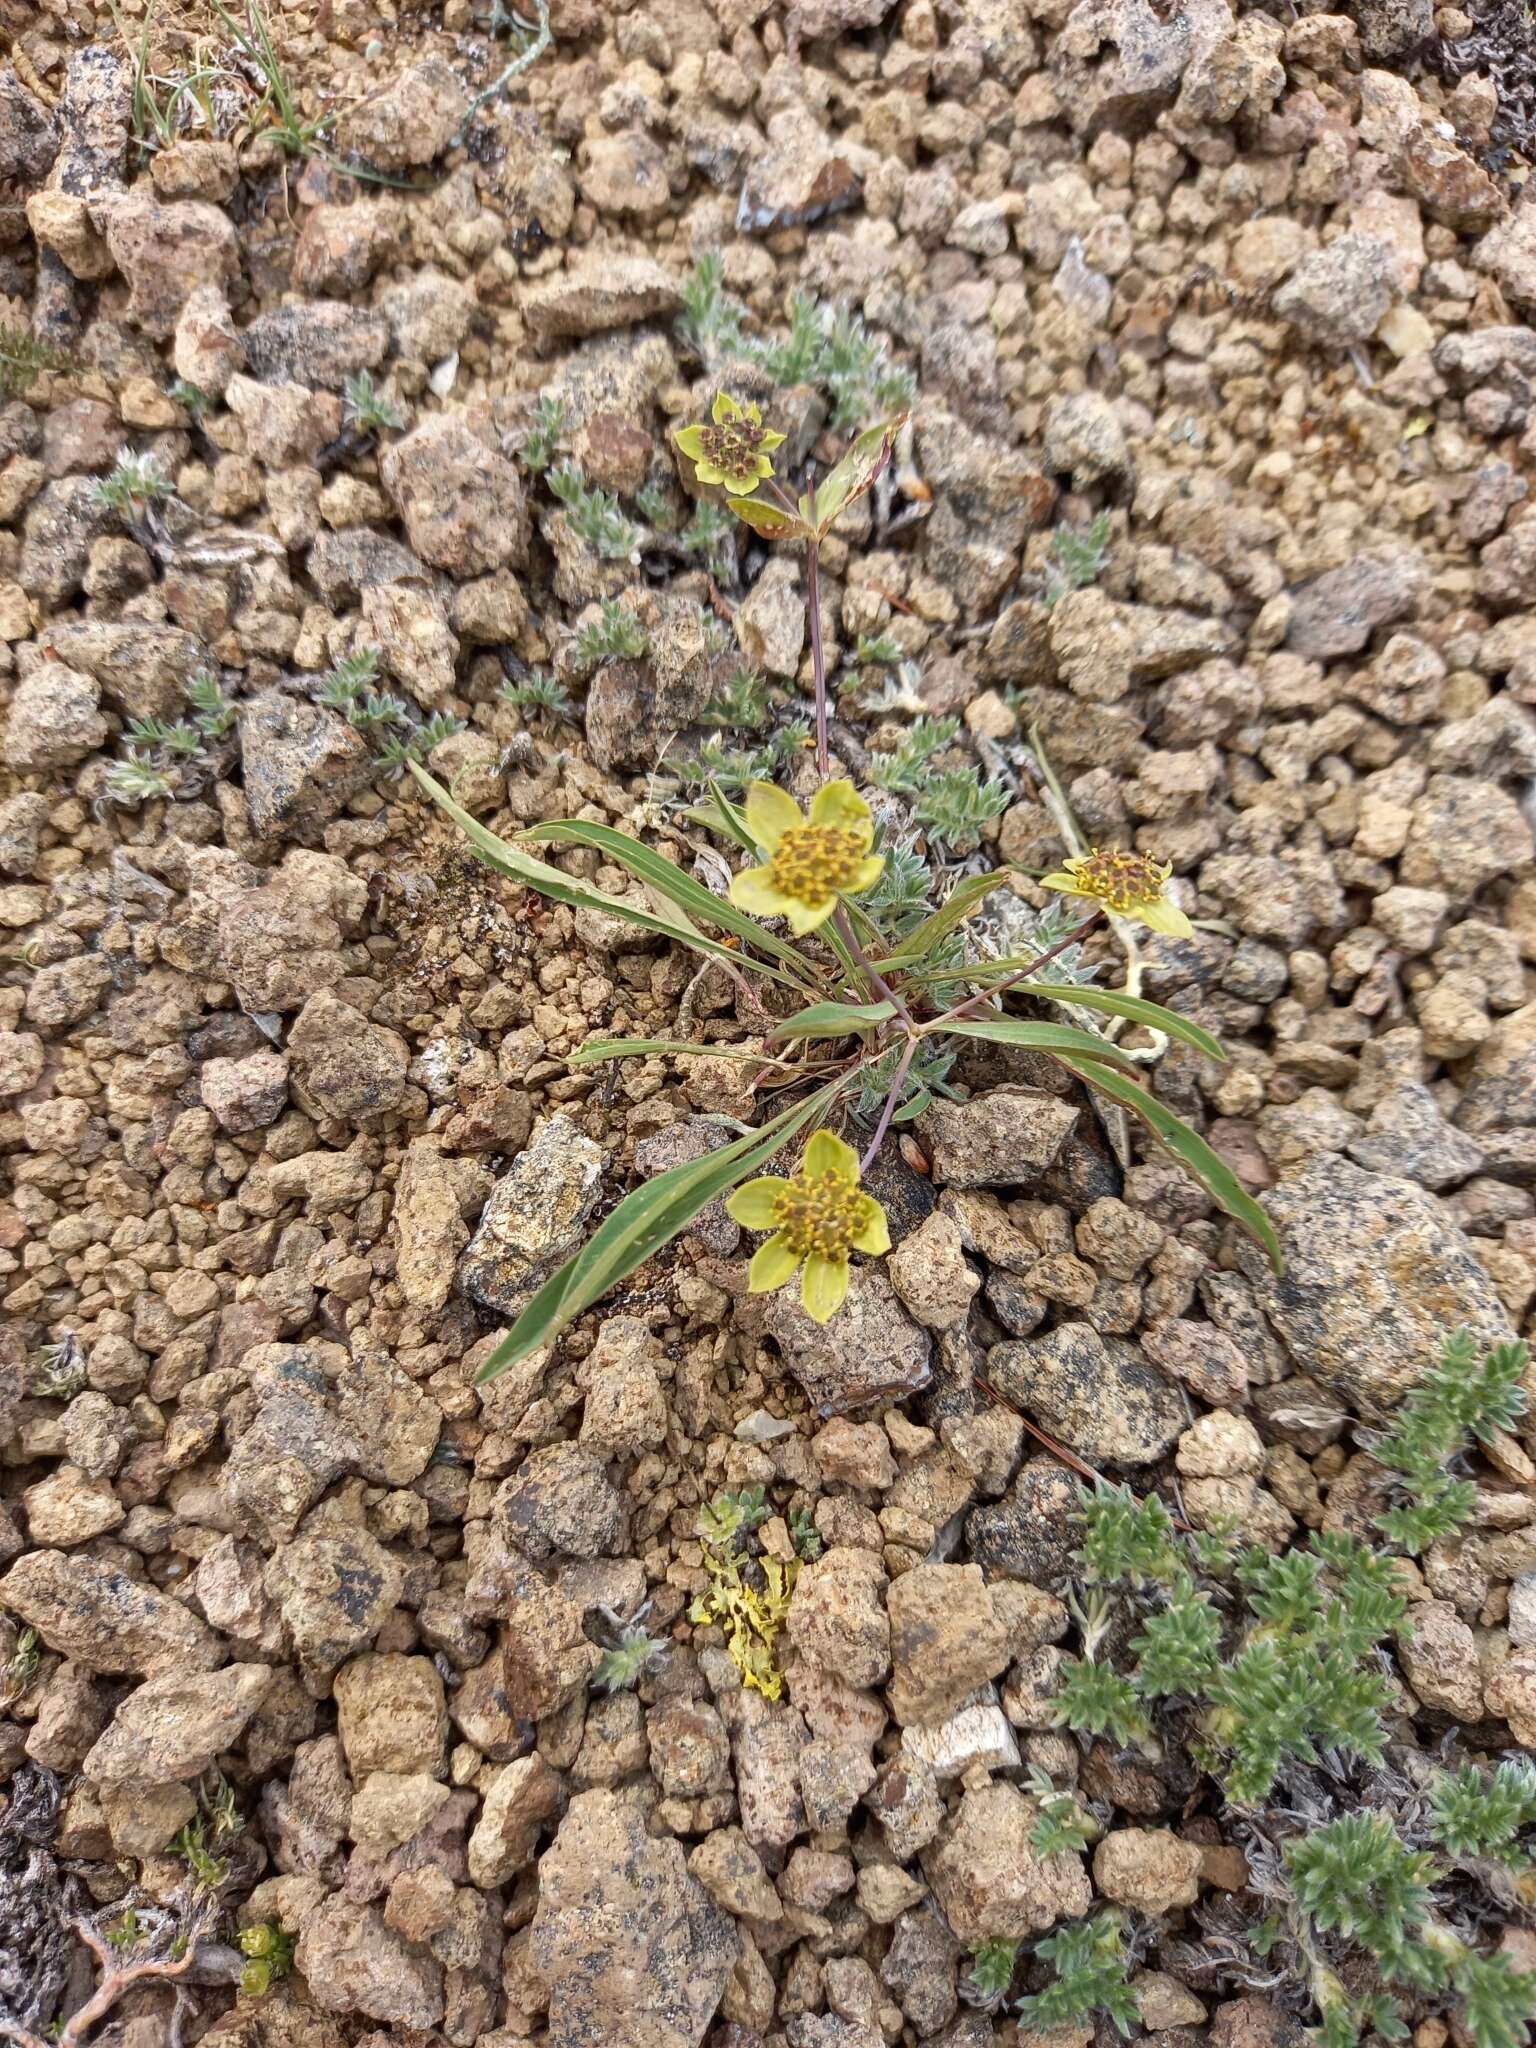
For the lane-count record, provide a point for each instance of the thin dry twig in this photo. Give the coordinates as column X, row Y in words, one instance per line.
column 117, row 1975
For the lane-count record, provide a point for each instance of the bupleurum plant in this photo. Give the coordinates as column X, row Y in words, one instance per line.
column 858, row 991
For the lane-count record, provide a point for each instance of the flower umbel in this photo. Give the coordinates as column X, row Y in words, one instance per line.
column 817, row 1219
column 810, row 863
column 734, row 449
column 1127, row 885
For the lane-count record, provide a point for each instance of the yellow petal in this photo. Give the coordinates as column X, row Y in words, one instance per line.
column 724, row 409
column 771, row 812
column 749, row 409
column 866, row 874
column 743, row 486
column 827, row 1153
column 691, row 441
column 839, row 805
column 1162, row 914
column 823, row 1287
column 753, row 891
column 752, row 1203
column 874, row 1234
column 771, row 440
column 772, row 1264
column 805, row 917
column 1068, row 884
column 709, row 473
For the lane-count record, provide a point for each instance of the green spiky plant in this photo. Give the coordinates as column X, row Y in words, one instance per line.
column 594, row 514
column 1465, row 1396
column 1268, row 1671
column 132, row 485
column 617, row 635
column 621, row 1667
column 851, row 992
column 23, row 359
column 541, row 439
column 366, row 410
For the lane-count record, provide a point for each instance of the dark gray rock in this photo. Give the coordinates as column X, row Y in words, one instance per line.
column 1337, row 613
column 301, row 764
column 1097, row 1394
column 29, row 137
column 629, row 1942
column 1004, row 1138
column 1408, row 1135
column 871, row 1349
column 343, row 565
column 1391, row 30
column 1031, row 1532
column 1376, row 1278
column 320, row 343
column 1117, row 64
column 294, row 1447
column 535, row 1220
column 560, row 1500
column 1337, row 296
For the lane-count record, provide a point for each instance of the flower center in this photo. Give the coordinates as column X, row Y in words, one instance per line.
column 819, row 1213
column 1122, row 881
column 732, row 445
column 812, row 862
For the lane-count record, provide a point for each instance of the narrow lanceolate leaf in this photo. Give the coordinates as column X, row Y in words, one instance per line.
column 596, row 1050
column 965, row 897
column 866, row 456
column 519, row 866
column 726, row 817
column 657, row 872
column 834, row 1020
column 638, row 1228
column 1135, row 1010
column 1188, row 1147
column 1052, row 1039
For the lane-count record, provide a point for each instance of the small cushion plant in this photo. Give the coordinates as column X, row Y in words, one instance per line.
column 1271, row 1672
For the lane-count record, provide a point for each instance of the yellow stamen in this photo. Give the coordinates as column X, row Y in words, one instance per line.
column 820, row 1214
column 1121, row 881
column 812, row 862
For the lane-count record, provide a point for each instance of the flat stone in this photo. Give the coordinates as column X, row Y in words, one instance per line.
column 1097, row 1394
column 175, row 1725
column 1376, row 1277
column 535, row 1220
column 104, row 1620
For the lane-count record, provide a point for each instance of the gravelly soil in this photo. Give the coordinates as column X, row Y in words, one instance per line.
column 288, row 1128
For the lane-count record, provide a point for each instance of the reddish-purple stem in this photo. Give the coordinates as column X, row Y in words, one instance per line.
column 889, row 1109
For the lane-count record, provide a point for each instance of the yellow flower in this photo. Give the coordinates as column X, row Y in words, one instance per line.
column 734, row 450
column 1128, row 885
column 809, row 865
column 817, row 1219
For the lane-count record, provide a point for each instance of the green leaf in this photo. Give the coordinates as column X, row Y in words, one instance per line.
column 1053, row 1039
column 596, row 1050
column 1135, row 1009
column 732, row 820
column 866, row 456
column 518, row 866
column 909, row 1112
column 637, row 1229
column 768, row 520
column 688, row 894
column 1188, row 1147
column 834, row 1020
column 962, row 900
